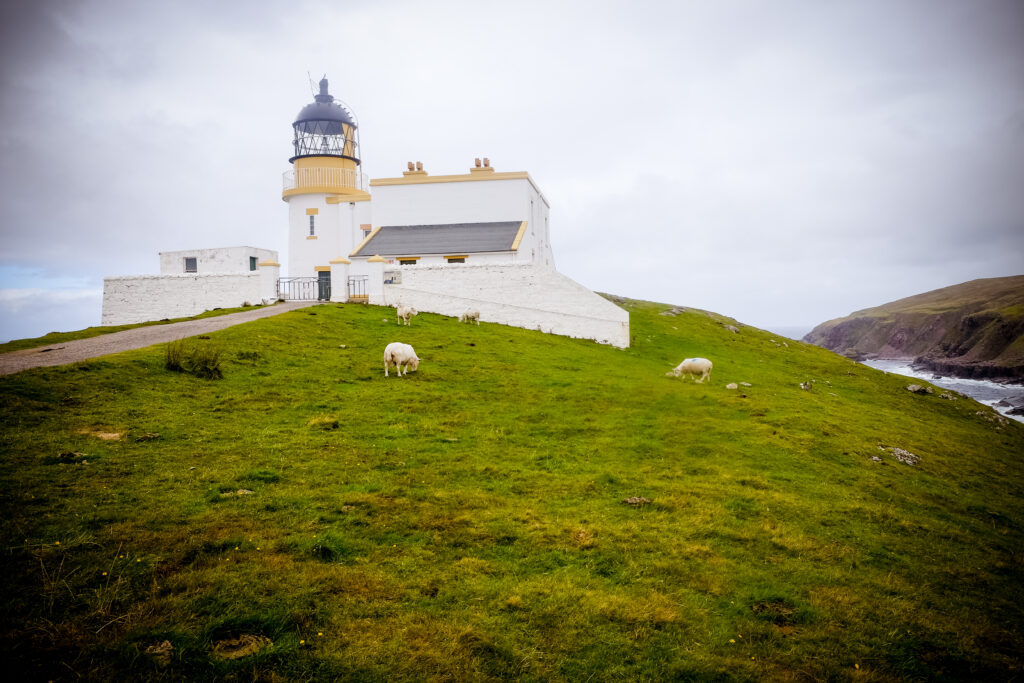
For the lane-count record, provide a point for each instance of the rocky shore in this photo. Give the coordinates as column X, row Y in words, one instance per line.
column 974, row 330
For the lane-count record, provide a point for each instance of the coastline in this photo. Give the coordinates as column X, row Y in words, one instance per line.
column 1002, row 395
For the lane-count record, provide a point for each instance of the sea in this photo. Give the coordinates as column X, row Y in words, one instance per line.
column 1002, row 397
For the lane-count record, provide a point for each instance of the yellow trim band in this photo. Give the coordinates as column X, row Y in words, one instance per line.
column 322, row 269
column 340, row 192
column 312, row 212
column 519, row 236
column 510, row 175
column 269, row 263
column 342, row 198
column 355, row 252
column 311, row 237
column 457, row 256
column 341, row 260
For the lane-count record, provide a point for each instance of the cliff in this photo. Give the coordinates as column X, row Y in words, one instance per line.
column 974, row 329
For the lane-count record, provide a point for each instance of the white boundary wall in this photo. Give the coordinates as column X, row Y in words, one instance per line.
column 141, row 298
column 531, row 297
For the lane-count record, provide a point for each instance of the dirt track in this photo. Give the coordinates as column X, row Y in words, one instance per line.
column 140, row 337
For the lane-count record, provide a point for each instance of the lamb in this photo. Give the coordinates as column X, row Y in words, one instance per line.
column 404, row 313
column 470, row 316
column 397, row 354
column 693, row 367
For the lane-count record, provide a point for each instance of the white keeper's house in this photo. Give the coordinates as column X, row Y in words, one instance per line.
column 439, row 243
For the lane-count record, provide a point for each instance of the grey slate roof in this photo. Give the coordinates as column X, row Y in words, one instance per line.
column 446, row 238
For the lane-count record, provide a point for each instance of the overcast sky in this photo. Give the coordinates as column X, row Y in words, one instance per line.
column 781, row 162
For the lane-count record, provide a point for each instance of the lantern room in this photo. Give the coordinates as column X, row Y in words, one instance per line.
column 325, row 149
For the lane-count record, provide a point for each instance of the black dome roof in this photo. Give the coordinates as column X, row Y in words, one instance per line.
column 323, row 110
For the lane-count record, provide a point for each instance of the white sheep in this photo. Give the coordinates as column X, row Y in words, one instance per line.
column 397, row 354
column 471, row 315
column 693, row 367
column 404, row 313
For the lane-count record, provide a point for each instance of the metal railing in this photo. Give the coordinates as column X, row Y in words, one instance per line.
column 300, row 178
column 304, row 289
column 357, row 288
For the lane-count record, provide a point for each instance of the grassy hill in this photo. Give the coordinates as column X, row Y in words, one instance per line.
column 305, row 518
column 974, row 329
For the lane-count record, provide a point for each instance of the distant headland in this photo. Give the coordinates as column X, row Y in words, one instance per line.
column 974, row 329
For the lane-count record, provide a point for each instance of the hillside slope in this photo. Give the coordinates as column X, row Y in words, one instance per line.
column 974, row 329
column 305, row 518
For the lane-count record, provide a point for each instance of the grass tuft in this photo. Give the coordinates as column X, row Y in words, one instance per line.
column 202, row 360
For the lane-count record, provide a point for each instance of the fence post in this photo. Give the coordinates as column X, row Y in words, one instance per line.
column 270, row 271
column 339, row 279
column 375, row 281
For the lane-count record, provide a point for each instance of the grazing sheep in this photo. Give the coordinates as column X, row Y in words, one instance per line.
column 397, row 354
column 471, row 315
column 693, row 367
column 404, row 313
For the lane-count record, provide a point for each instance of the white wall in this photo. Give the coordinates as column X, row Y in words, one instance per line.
column 478, row 259
column 208, row 261
column 306, row 252
column 531, row 297
column 142, row 298
column 336, row 228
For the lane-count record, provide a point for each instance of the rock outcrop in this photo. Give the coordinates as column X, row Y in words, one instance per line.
column 974, row 329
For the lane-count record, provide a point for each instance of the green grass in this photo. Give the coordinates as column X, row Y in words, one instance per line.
column 62, row 337
column 467, row 522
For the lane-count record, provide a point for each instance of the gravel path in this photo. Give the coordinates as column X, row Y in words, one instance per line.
column 137, row 338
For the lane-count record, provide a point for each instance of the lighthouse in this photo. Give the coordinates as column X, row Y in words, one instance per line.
column 442, row 243
column 328, row 205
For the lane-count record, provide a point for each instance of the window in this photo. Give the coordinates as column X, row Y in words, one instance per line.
column 456, row 259
column 311, row 226
column 252, row 263
column 191, row 265
column 408, row 261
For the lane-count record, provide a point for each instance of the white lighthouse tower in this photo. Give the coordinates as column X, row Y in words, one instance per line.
column 328, row 206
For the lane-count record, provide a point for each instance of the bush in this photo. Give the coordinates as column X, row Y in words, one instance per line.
column 202, row 360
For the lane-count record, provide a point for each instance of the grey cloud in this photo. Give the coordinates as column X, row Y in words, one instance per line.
column 768, row 160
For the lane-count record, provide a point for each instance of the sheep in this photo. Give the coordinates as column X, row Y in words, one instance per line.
column 397, row 354
column 404, row 313
column 471, row 315
column 693, row 367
